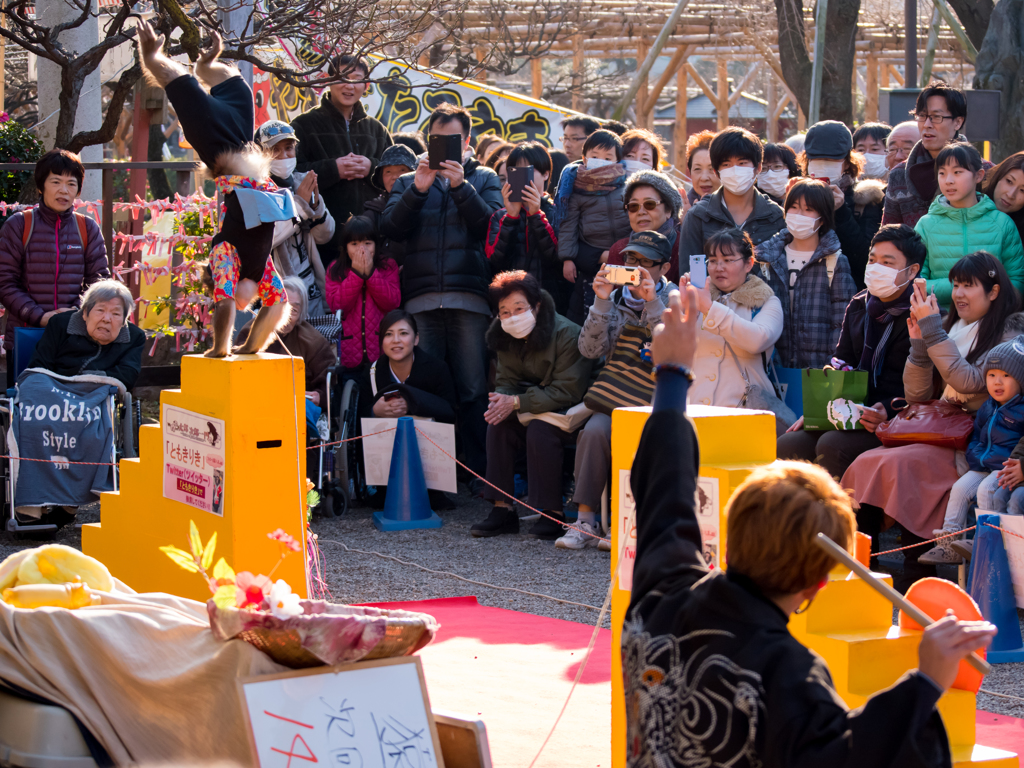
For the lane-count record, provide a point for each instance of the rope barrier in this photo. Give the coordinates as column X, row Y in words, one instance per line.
column 944, row 536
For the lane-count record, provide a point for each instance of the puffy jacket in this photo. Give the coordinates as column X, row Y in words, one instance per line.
column 325, row 135
column 952, row 233
column 363, row 302
column 997, row 429
column 374, row 211
column 710, row 215
column 32, row 279
column 814, row 319
column 443, row 231
column 598, row 219
column 546, row 368
column 526, row 242
column 735, row 339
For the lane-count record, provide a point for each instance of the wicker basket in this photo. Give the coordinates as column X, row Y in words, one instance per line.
column 326, row 633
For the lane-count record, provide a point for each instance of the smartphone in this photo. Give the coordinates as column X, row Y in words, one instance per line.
column 518, row 178
column 619, row 275
column 392, row 396
column 698, row 270
column 444, row 147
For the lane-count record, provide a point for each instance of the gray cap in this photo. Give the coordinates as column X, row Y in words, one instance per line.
column 1009, row 357
column 396, row 154
column 829, row 138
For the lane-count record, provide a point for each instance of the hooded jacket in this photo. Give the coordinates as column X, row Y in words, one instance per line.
column 527, row 242
column 324, row 135
column 443, row 231
column 952, row 233
column 814, row 319
column 546, row 368
column 52, row 271
column 736, row 338
column 710, row 215
column 997, row 430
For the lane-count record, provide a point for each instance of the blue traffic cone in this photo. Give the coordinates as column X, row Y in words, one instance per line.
column 992, row 589
column 406, row 505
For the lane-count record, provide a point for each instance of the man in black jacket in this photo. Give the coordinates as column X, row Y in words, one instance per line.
column 712, row 674
column 441, row 217
column 343, row 145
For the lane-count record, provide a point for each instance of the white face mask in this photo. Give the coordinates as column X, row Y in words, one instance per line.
column 283, row 168
column 738, row 179
column 519, row 326
column 825, row 169
column 801, row 227
column 593, row 163
column 880, row 280
column 875, row 167
column 773, row 182
column 632, row 166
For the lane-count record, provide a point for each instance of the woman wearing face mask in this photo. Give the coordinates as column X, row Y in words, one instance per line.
column 703, row 178
column 910, row 484
column 807, row 270
column 875, row 338
column 653, row 204
column 539, row 370
column 1004, row 184
column 641, row 150
column 777, row 168
column 295, row 242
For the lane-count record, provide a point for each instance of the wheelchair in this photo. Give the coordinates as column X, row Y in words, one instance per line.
column 126, row 417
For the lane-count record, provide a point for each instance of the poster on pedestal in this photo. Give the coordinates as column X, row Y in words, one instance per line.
column 193, row 459
column 708, row 520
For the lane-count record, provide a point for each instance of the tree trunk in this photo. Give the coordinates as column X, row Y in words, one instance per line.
column 1000, row 67
column 841, row 35
column 975, row 16
column 71, row 79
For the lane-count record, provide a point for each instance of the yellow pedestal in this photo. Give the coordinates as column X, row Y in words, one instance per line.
column 261, row 400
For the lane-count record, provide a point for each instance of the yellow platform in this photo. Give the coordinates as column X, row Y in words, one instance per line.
column 260, row 400
column 849, row 624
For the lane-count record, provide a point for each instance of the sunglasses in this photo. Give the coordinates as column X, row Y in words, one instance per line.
column 648, row 205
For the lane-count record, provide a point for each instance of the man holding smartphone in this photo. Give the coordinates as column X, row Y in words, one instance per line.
column 441, row 215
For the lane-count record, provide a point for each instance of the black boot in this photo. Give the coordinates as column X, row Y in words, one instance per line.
column 548, row 529
column 501, row 520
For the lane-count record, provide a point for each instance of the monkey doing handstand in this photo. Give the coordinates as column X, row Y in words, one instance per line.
column 219, row 126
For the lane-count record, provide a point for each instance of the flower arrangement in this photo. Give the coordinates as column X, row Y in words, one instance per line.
column 243, row 590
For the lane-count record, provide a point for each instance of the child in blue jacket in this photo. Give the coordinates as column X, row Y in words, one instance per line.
column 998, row 427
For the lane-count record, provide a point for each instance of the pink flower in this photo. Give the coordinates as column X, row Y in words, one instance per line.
column 13, row 158
column 251, row 590
column 4, row 117
column 284, row 538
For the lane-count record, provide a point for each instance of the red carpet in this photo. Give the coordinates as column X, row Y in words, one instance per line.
column 514, row 670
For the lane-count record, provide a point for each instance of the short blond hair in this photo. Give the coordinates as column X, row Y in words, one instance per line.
column 773, row 518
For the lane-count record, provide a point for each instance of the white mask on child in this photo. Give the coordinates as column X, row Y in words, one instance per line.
column 738, row 179
column 519, row 326
column 593, row 163
column 801, row 227
column 283, row 167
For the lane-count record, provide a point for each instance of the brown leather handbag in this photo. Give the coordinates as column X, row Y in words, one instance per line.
column 933, row 422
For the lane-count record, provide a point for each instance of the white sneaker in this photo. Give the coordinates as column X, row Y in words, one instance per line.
column 605, row 544
column 942, row 553
column 577, row 537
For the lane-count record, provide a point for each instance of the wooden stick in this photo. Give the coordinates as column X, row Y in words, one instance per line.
column 891, row 594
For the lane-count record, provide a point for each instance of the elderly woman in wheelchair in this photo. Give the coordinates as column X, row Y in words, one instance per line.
column 66, row 412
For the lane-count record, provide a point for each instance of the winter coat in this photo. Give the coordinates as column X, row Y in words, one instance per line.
column 851, row 346
column 997, row 430
column 443, row 231
column 428, row 391
column 814, row 320
column 363, row 302
column 374, row 211
column 526, row 242
column 952, row 233
column 304, row 341
column 607, row 318
column 669, row 229
column 748, row 322
column 912, row 186
column 67, row 349
column 936, row 352
column 710, row 216
column 595, row 219
column 710, row 669
column 546, row 369
column 32, row 281
column 295, row 244
column 854, row 229
column 324, row 135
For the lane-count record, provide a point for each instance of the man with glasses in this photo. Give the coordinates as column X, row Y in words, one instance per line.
column 342, row 144
column 940, row 113
column 622, row 320
column 901, row 142
column 575, row 131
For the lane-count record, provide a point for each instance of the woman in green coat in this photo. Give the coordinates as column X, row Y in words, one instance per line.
column 962, row 221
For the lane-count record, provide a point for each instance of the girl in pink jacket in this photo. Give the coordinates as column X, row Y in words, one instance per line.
column 363, row 283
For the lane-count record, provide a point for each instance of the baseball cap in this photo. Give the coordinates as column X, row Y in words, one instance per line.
column 274, row 131
column 649, row 245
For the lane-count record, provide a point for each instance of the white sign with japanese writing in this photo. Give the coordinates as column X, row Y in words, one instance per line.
column 194, row 459
column 708, row 520
column 627, row 531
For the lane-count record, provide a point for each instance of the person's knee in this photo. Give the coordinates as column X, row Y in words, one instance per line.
column 798, row 445
column 1015, row 505
column 541, row 434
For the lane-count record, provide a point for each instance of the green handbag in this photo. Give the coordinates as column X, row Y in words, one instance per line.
column 833, row 399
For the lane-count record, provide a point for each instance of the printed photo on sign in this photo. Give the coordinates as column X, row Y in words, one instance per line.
column 708, row 519
column 194, row 459
column 627, row 531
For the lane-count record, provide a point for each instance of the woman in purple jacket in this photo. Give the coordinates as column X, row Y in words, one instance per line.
column 49, row 255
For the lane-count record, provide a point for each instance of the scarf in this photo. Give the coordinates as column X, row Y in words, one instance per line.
column 565, row 185
column 964, row 335
column 878, row 328
column 599, row 181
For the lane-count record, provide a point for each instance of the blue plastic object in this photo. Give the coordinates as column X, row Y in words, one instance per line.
column 407, row 505
column 992, row 589
column 25, row 340
column 793, row 388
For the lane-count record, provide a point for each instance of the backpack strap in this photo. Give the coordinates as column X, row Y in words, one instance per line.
column 830, row 266
column 83, row 234
column 30, row 223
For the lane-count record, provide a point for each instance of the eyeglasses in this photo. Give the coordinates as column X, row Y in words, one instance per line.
column 777, row 167
column 649, row 205
column 921, row 117
column 722, row 263
column 632, row 261
column 567, row 139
